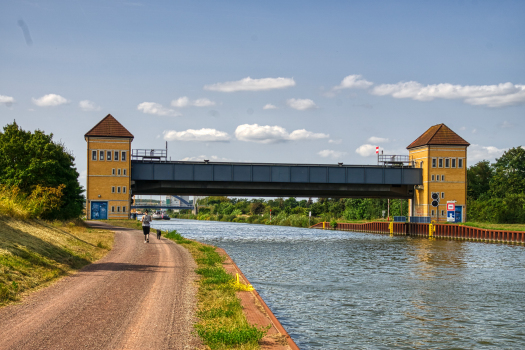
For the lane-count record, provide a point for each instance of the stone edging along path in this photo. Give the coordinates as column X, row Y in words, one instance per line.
column 258, row 313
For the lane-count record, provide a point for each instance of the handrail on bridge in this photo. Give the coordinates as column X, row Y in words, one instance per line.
column 149, row 154
column 394, row 160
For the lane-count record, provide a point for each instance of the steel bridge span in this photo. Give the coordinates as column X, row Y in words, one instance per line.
column 273, row 180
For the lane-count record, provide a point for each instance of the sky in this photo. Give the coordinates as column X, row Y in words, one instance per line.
column 316, row 82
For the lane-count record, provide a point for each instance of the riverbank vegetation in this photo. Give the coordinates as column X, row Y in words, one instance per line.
column 222, row 323
column 496, row 191
column 291, row 212
column 35, row 252
column 40, row 171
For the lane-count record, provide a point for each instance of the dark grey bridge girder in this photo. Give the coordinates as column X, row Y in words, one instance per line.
column 273, row 180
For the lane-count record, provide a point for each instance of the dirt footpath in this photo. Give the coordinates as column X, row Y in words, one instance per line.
column 140, row 296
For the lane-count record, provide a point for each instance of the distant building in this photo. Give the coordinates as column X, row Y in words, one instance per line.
column 108, row 170
column 442, row 154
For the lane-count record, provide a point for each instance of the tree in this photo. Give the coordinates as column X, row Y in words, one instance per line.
column 509, row 173
column 478, row 179
column 28, row 160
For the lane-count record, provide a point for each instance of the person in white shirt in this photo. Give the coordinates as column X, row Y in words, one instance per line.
column 146, row 219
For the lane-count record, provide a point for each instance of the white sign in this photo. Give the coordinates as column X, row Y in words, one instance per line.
column 451, row 216
column 451, row 207
column 310, row 214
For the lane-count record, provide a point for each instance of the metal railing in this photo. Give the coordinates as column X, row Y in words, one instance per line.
column 394, row 160
column 149, row 154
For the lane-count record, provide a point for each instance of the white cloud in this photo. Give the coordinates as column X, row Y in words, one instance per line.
column 249, row 84
column 202, row 158
column 331, row 153
column 301, row 104
column 50, row 100
column 302, row 134
column 272, row 134
column 366, row 150
column 185, row 102
column 157, row 109
column 337, row 142
column 353, row 82
column 269, row 106
column 374, row 139
column 477, row 153
column 505, row 94
column 88, row 106
column 7, row 100
column 203, row 135
column 506, row 125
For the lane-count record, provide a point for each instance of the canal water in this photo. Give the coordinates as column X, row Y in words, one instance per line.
column 348, row 290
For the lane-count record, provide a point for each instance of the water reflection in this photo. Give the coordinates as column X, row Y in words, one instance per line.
column 347, row 290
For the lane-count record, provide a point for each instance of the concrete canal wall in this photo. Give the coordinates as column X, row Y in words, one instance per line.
column 446, row 231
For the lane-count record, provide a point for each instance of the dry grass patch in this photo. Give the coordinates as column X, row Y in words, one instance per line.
column 35, row 252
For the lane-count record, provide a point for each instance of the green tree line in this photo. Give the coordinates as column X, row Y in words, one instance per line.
column 33, row 166
column 496, row 191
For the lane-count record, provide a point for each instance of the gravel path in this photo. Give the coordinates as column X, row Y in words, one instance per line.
column 140, row 296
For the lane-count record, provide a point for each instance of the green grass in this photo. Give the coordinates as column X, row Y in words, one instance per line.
column 222, row 323
column 34, row 253
column 504, row 227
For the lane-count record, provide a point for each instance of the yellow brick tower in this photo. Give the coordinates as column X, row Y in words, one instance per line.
column 108, row 170
column 442, row 154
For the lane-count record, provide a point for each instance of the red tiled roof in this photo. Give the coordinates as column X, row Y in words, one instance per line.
column 109, row 127
column 438, row 135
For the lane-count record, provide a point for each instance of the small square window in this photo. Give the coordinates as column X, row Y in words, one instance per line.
column 124, row 189
column 434, row 161
column 441, row 162
column 433, row 177
column 112, row 171
column 123, row 209
column 124, row 170
column 116, row 155
column 112, row 209
column 118, row 172
column 109, row 155
column 447, row 163
column 112, row 189
column 101, row 155
column 460, row 163
column 453, row 163
column 442, row 177
column 123, row 156
column 118, row 189
column 442, row 195
column 94, row 155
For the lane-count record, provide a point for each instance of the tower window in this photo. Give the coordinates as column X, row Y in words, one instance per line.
column 434, row 161
column 101, row 157
column 118, row 189
column 123, row 209
column 116, row 155
column 433, row 177
column 421, row 164
column 460, row 163
column 442, row 195
column 453, row 165
column 442, row 213
column 447, row 163
column 109, row 155
column 112, row 189
column 124, row 189
column 432, row 212
column 112, row 171
column 112, row 209
column 118, row 172
column 118, row 209
column 124, row 170
column 94, row 155
column 442, row 177
column 123, row 156
column 441, row 162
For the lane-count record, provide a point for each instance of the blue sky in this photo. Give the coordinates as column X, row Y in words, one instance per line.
column 337, row 78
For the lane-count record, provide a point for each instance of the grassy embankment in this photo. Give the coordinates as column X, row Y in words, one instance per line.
column 34, row 252
column 222, row 323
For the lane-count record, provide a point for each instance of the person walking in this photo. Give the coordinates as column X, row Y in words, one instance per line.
column 146, row 219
